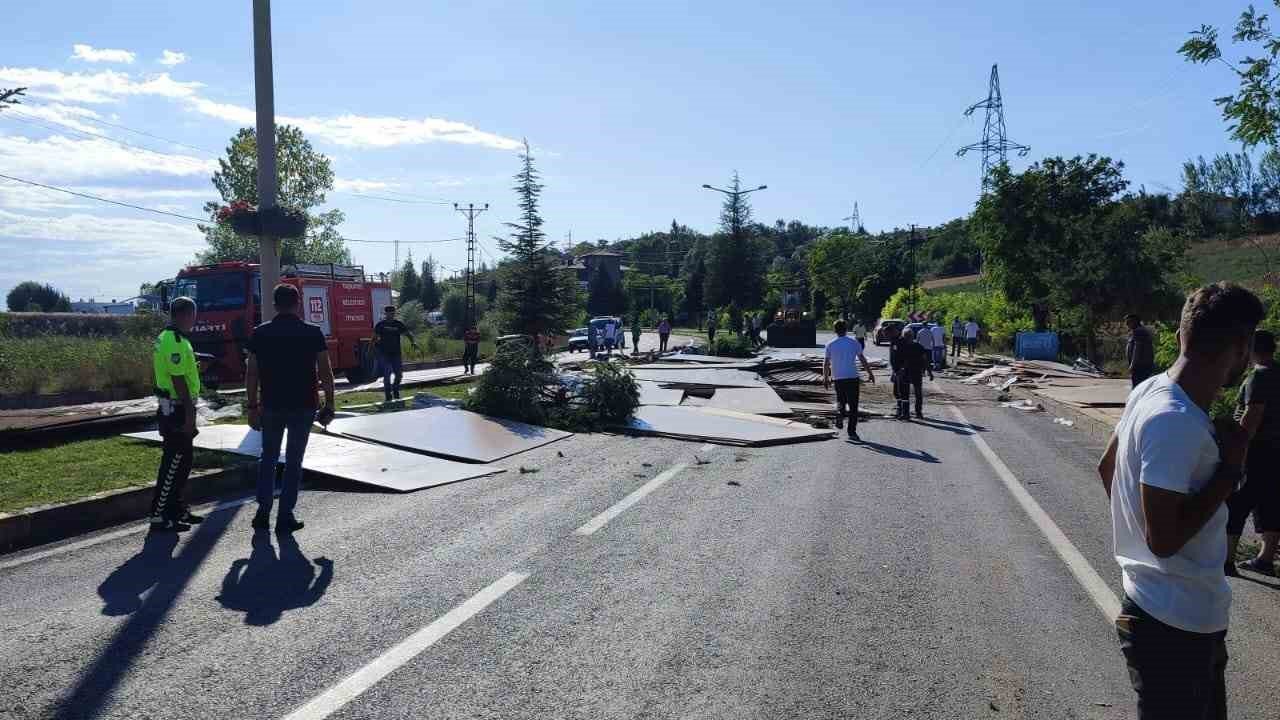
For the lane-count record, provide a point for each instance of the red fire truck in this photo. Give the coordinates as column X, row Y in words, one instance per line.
column 338, row 299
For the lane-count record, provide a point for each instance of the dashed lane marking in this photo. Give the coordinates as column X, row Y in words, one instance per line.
column 636, row 496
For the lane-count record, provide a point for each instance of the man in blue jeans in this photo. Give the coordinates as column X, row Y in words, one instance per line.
column 288, row 359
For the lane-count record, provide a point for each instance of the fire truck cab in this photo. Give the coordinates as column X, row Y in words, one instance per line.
column 338, row 299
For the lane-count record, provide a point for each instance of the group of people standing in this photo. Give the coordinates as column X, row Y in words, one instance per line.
column 751, row 327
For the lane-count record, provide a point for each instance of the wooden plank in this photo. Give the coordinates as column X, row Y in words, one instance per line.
column 756, row 401
column 448, row 431
column 720, row 426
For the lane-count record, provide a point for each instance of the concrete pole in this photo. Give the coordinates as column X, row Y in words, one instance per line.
column 268, row 247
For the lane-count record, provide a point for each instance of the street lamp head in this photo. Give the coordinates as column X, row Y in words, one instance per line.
column 708, row 187
column 455, row 206
column 763, row 187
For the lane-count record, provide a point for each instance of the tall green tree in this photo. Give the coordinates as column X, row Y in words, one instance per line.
column 410, row 284
column 1252, row 113
column 304, row 176
column 839, row 262
column 535, row 296
column 31, row 296
column 1059, row 241
column 430, row 294
column 735, row 265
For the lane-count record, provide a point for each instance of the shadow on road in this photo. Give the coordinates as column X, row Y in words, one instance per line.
column 1257, row 581
column 153, row 567
column 949, row 426
column 264, row 586
column 903, row 453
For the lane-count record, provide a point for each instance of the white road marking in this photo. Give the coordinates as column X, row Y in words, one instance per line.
column 106, row 537
column 1084, row 573
column 636, row 496
column 333, row 699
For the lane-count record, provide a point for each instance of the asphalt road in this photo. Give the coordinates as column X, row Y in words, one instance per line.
column 894, row 578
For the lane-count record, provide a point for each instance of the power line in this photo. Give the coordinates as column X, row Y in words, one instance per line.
column 102, row 199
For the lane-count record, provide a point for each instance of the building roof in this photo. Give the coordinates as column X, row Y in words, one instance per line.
column 600, row 253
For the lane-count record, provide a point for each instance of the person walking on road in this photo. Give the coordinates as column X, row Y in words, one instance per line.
column 664, row 334
column 1168, row 478
column 287, row 359
column 711, row 332
column 971, row 332
column 593, row 339
column 1258, row 412
column 470, row 350
column 939, row 345
column 610, row 337
column 635, row 333
column 913, row 361
column 860, row 333
column 1139, row 352
column 841, row 364
column 388, row 332
column 957, row 336
column 177, row 385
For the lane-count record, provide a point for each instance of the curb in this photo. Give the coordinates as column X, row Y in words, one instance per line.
column 50, row 523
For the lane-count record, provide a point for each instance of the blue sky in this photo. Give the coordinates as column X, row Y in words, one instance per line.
column 630, row 108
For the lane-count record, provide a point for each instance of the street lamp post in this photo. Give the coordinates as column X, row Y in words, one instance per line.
column 268, row 250
column 735, row 194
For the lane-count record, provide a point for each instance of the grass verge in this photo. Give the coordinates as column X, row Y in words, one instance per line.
column 60, row 473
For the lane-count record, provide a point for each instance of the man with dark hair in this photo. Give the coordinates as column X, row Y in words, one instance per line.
column 1258, row 412
column 1168, row 478
column 177, row 385
column 842, row 357
column 387, row 333
column 913, row 362
column 287, row 357
column 1139, row 352
column 957, row 336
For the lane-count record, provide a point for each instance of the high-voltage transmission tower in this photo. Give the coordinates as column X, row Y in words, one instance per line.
column 855, row 220
column 471, row 211
column 995, row 146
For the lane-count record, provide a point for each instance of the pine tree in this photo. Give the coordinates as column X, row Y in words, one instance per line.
column 535, row 297
column 601, row 295
column 410, row 285
column 733, row 272
column 430, row 292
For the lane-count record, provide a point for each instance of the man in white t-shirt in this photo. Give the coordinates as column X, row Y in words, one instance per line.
column 939, row 345
column 971, row 331
column 1168, row 471
column 842, row 357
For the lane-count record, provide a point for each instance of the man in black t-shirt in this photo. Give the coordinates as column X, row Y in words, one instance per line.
column 287, row 359
column 387, row 340
column 1258, row 412
column 1140, row 351
column 914, row 360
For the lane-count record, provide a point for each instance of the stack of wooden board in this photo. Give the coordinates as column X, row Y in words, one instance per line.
column 722, row 427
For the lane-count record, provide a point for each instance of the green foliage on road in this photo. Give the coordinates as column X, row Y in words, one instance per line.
column 731, row 345
column 303, row 176
column 515, row 386
column 43, row 474
column 534, row 295
column 609, row 395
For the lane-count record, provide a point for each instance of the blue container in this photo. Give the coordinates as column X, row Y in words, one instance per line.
column 1036, row 346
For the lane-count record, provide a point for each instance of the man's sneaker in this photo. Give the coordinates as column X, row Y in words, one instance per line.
column 191, row 518
column 854, row 436
column 919, row 416
column 839, row 421
column 262, row 521
column 1257, row 566
column 289, row 523
column 169, row 526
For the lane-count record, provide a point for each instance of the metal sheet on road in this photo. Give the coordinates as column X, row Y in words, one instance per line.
column 353, row 460
column 755, row 401
column 701, row 377
column 720, row 426
column 654, row 394
column 448, row 432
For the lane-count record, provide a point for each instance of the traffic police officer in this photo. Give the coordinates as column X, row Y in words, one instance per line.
column 177, row 385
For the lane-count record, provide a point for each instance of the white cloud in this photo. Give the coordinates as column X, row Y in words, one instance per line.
column 366, row 131
column 25, row 197
column 171, row 58
column 357, row 185
column 59, row 159
column 88, row 53
column 99, row 87
column 136, row 237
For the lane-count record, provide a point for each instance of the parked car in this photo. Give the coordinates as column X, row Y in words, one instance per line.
column 885, row 327
column 599, row 322
column 578, row 340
